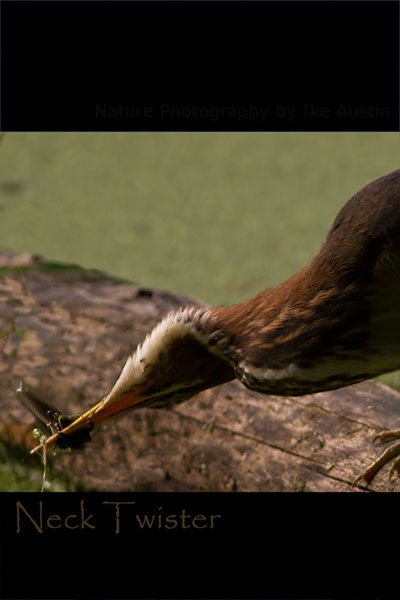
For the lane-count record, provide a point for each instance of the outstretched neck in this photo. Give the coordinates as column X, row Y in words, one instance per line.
column 176, row 360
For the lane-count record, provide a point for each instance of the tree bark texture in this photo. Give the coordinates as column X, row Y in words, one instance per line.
column 67, row 332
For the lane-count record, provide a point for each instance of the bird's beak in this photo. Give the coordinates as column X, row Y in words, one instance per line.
column 108, row 408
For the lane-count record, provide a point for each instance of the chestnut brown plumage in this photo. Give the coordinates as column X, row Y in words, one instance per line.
column 334, row 323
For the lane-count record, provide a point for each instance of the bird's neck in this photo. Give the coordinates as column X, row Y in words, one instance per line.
column 176, row 360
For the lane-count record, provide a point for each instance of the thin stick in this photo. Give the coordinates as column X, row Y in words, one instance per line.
column 44, row 449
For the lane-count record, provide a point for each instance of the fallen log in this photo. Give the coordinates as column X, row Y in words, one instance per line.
column 67, row 331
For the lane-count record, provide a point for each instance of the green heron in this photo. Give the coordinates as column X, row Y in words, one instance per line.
column 334, row 323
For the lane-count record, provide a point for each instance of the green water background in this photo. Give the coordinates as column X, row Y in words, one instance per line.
column 214, row 215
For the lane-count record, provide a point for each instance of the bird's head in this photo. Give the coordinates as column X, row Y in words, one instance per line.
column 175, row 362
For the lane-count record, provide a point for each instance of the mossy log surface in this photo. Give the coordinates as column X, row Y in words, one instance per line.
column 67, row 332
